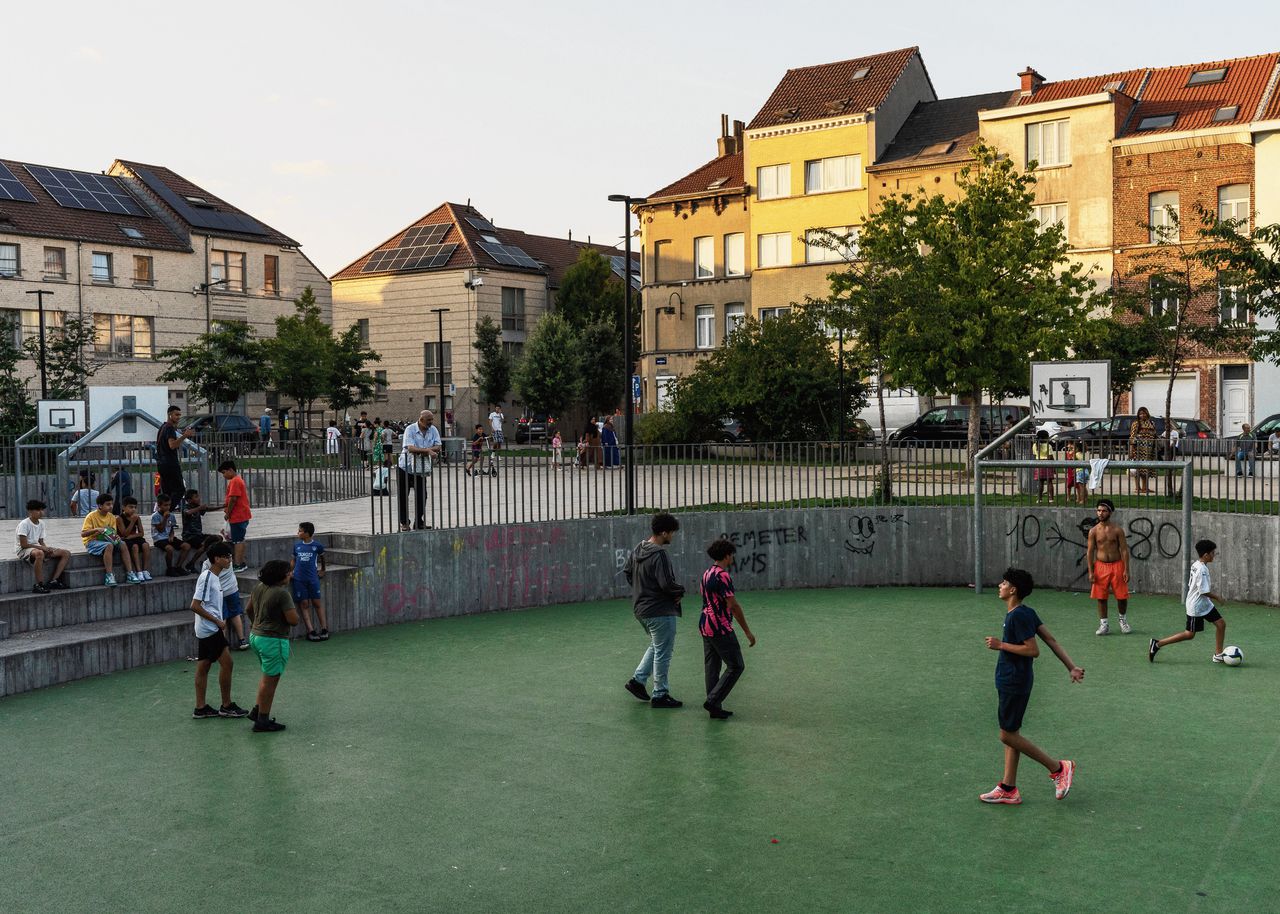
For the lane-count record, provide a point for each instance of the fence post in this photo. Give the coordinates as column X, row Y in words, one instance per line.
column 1188, row 482
column 977, row 523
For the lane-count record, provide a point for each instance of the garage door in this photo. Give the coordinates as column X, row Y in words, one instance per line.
column 1150, row 392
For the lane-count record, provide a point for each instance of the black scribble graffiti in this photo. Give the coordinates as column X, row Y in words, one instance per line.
column 1145, row 537
column 862, row 531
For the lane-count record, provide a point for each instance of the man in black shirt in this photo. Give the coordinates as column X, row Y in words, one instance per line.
column 168, row 446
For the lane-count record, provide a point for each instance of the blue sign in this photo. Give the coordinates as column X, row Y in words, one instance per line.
column 660, row 360
column 635, row 388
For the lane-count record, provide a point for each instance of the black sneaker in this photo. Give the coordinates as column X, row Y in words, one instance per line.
column 206, row 711
column 240, row 569
column 717, row 713
column 253, row 715
column 57, row 583
column 232, row 710
column 1151, row 651
column 324, row 634
column 313, row 636
column 243, row 645
column 40, row 588
column 191, row 569
column 637, row 689
column 267, row 726
column 666, row 701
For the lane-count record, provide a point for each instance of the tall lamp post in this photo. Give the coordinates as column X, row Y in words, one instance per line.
column 440, row 313
column 627, row 436
column 44, row 380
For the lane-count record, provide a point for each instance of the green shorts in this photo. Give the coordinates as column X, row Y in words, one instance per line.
column 273, row 653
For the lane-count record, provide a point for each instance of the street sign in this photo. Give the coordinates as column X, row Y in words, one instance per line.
column 635, row 388
column 660, row 360
column 1071, row 390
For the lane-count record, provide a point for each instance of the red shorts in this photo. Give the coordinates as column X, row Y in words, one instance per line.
column 1109, row 575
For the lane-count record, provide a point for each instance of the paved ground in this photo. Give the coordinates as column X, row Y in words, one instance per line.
column 494, row 763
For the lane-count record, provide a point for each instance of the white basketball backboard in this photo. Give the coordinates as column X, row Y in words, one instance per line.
column 105, row 402
column 61, row 416
column 1072, row 391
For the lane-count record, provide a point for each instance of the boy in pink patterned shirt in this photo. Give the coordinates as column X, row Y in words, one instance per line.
column 719, row 643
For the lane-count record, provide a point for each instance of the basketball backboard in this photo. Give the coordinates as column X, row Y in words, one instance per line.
column 61, row 416
column 1071, row 391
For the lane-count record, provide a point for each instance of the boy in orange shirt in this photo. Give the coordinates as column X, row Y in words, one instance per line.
column 237, row 512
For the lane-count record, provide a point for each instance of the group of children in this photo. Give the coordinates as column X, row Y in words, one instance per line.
column 1046, row 479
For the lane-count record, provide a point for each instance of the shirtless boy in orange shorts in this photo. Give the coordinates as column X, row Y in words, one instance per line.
column 1107, row 556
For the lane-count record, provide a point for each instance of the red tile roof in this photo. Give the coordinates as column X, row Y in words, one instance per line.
column 829, row 89
column 1128, row 82
column 949, row 121
column 1167, row 92
column 723, row 171
column 47, row 219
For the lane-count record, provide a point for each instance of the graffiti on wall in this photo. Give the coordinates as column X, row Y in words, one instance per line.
column 862, row 530
column 755, row 546
column 1147, row 538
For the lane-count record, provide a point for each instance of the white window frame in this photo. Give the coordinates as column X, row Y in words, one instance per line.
column 773, row 182
column 704, row 318
column 735, row 254
column 117, row 341
column 1233, row 203
column 704, row 257
column 768, row 314
column 102, row 267
column 1166, row 305
column 815, row 252
column 834, row 173
column 773, row 249
column 26, row 323
column 1239, row 303
column 1160, row 205
column 430, row 370
column 228, row 265
column 1049, row 213
column 15, row 259
column 734, row 314
column 1049, row 143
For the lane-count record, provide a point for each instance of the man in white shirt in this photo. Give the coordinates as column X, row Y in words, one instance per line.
column 1202, row 605
column 421, row 444
column 1273, row 443
column 495, row 422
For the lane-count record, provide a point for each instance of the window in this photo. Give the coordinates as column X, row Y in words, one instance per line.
column 1049, row 142
column 122, row 336
column 1233, row 304
column 1226, row 113
column 768, row 314
column 362, row 326
column 660, row 254
column 131, row 232
column 26, row 324
column 512, row 309
column 1233, row 204
column 773, row 181
column 102, row 267
column 55, row 262
column 143, row 274
column 1048, row 214
column 8, row 260
column 735, row 254
column 1158, row 121
column 271, row 274
column 833, row 245
column 734, row 315
column 704, row 265
column 514, row 352
column 1201, row 77
column 775, row 250
column 835, row 173
column 1164, row 216
column 229, row 266
column 705, row 322
column 380, row 384
column 860, row 73
column 431, row 375
column 1164, row 299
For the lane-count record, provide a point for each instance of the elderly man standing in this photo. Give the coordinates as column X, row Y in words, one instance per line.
column 421, row 444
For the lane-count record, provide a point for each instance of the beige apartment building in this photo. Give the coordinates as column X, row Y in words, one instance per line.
column 151, row 259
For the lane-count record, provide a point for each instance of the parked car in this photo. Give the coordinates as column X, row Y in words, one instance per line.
column 229, row 429
column 731, row 431
column 860, row 430
column 951, row 424
column 1195, row 436
column 534, row 427
column 1260, row 433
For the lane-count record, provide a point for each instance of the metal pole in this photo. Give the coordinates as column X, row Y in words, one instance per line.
column 44, row 355
column 977, row 524
column 1188, row 480
column 626, row 361
column 439, row 313
column 841, row 420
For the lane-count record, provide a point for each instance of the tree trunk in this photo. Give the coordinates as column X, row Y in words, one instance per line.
column 975, row 422
column 886, row 478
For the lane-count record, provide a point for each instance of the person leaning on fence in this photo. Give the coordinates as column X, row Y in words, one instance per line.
column 1246, row 450
column 421, row 444
column 33, row 550
column 168, row 449
column 1042, row 449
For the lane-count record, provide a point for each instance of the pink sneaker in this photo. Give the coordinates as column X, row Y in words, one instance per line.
column 1062, row 780
column 999, row 795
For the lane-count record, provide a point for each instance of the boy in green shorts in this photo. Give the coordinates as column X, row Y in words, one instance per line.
column 272, row 611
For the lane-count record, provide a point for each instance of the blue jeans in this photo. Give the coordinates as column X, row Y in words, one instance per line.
column 1241, row 457
column 657, row 657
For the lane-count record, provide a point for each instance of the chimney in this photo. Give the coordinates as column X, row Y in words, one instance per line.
column 1031, row 81
column 728, row 143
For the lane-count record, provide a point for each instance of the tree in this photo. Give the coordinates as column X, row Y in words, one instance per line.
column 349, row 384
column 1125, row 342
column 220, row 366
column 300, row 358
column 601, row 382
column 67, row 369
column 590, row 291
column 993, row 291
column 1251, row 260
column 547, row 377
column 17, row 414
column 778, row 378
column 493, row 367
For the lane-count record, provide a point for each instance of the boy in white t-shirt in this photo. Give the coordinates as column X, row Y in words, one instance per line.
column 1202, row 605
column 33, row 551
column 232, row 608
column 211, row 636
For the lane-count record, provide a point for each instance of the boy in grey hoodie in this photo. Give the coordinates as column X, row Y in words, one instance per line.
column 656, row 601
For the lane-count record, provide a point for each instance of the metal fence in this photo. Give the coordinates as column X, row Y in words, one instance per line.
column 531, row 485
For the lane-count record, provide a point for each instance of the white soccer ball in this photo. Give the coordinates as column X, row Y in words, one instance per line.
column 1233, row 656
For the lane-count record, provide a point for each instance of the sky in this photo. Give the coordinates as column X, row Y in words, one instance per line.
column 339, row 123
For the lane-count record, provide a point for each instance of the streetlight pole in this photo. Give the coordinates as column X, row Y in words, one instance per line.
column 840, row 424
column 44, row 353
column 440, row 313
column 627, row 435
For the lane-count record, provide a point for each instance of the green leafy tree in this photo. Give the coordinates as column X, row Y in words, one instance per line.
column 601, row 383
column 1250, row 261
column 492, row 367
column 547, row 377
column 67, row 367
column 300, row 358
column 349, row 384
column 590, row 291
column 1123, row 340
column 17, row 413
column 219, row 367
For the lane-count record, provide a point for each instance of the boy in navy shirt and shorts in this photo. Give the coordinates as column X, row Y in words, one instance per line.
column 308, row 569
column 1014, row 677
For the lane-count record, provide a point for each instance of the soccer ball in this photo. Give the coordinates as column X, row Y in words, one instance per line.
column 1233, row 656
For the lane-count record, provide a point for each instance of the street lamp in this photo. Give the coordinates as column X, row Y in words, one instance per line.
column 440, row 313
column 44, row 381
column 207, row 289
column 627, row 437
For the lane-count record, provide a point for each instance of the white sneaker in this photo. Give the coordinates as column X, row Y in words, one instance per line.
column 1103, row 629
column 1125, row 628
column 132, row 578
column 145, row 575
column 1219, row 658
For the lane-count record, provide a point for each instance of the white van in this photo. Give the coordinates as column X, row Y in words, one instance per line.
column 899, row 410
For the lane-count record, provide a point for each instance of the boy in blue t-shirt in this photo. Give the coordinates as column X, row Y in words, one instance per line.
column 308, row 569
column 1014, row 677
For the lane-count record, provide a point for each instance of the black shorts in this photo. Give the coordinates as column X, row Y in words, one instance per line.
column 1012, row 708
column 211, row 648
column 1196, row 623
column 135, row 541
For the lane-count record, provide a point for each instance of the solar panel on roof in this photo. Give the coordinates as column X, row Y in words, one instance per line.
column 11, row 188
column 86, row 190
column 201, row 216
column 417, row 257
column 481, row 224
column 509, row 255
column 425, row 234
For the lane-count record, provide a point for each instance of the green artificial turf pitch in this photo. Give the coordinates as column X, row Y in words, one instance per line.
column 494, row 763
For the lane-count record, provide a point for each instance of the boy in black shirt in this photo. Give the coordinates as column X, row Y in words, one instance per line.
column 1014, row 677
column 193, row 534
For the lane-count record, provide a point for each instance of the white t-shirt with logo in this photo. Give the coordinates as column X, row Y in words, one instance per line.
column 209, row 593
column 1198, row 587
column 33, row 532
column 495, row 421
column 226, row 579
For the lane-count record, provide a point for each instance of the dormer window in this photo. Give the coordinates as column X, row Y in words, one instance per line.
column 1158, row 121
column 1204, row 77
column 860, row 73
column 1226, row 113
